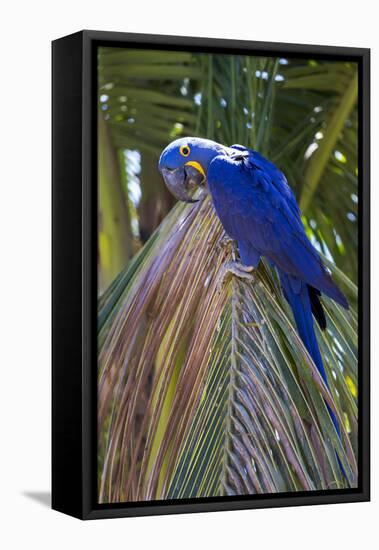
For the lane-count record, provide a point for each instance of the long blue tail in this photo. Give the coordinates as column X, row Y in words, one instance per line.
column 298, row 295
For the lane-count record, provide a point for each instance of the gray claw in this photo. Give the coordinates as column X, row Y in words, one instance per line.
column 238, row 270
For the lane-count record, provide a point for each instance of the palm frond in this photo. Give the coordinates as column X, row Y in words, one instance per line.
column 139, row 94
column 207, row 389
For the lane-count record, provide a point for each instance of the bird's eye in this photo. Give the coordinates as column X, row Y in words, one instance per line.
column 185, row 150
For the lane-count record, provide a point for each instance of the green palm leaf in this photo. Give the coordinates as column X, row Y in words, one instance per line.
column 139, row 93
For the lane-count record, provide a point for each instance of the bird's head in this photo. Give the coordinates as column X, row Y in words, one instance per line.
column 184, row 165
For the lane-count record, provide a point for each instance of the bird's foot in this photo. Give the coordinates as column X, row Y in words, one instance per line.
column 238, row 270
column 226, row 244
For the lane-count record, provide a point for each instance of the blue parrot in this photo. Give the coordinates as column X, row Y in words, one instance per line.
column 258, row 210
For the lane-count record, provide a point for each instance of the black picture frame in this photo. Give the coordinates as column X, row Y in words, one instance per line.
column 74, row 203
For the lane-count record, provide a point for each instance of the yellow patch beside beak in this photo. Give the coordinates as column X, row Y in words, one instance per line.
column 196, row 165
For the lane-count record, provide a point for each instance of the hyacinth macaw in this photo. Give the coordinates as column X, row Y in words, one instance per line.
column 258, row 210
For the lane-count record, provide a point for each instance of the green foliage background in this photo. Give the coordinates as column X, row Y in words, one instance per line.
column 205, row 391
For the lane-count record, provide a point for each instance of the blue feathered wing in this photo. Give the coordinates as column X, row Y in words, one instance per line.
column 258, row 209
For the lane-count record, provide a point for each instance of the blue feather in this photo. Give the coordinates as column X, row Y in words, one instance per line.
column 297, row 295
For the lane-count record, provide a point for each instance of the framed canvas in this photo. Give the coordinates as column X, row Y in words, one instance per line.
column 210, row 275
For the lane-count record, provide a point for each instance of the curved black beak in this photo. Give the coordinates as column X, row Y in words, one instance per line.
column 183, row 182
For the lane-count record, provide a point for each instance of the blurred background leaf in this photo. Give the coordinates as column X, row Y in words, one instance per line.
column 205, row 391
column 145, row 99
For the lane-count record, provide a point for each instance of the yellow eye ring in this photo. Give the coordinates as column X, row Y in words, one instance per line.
column 185, row 150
